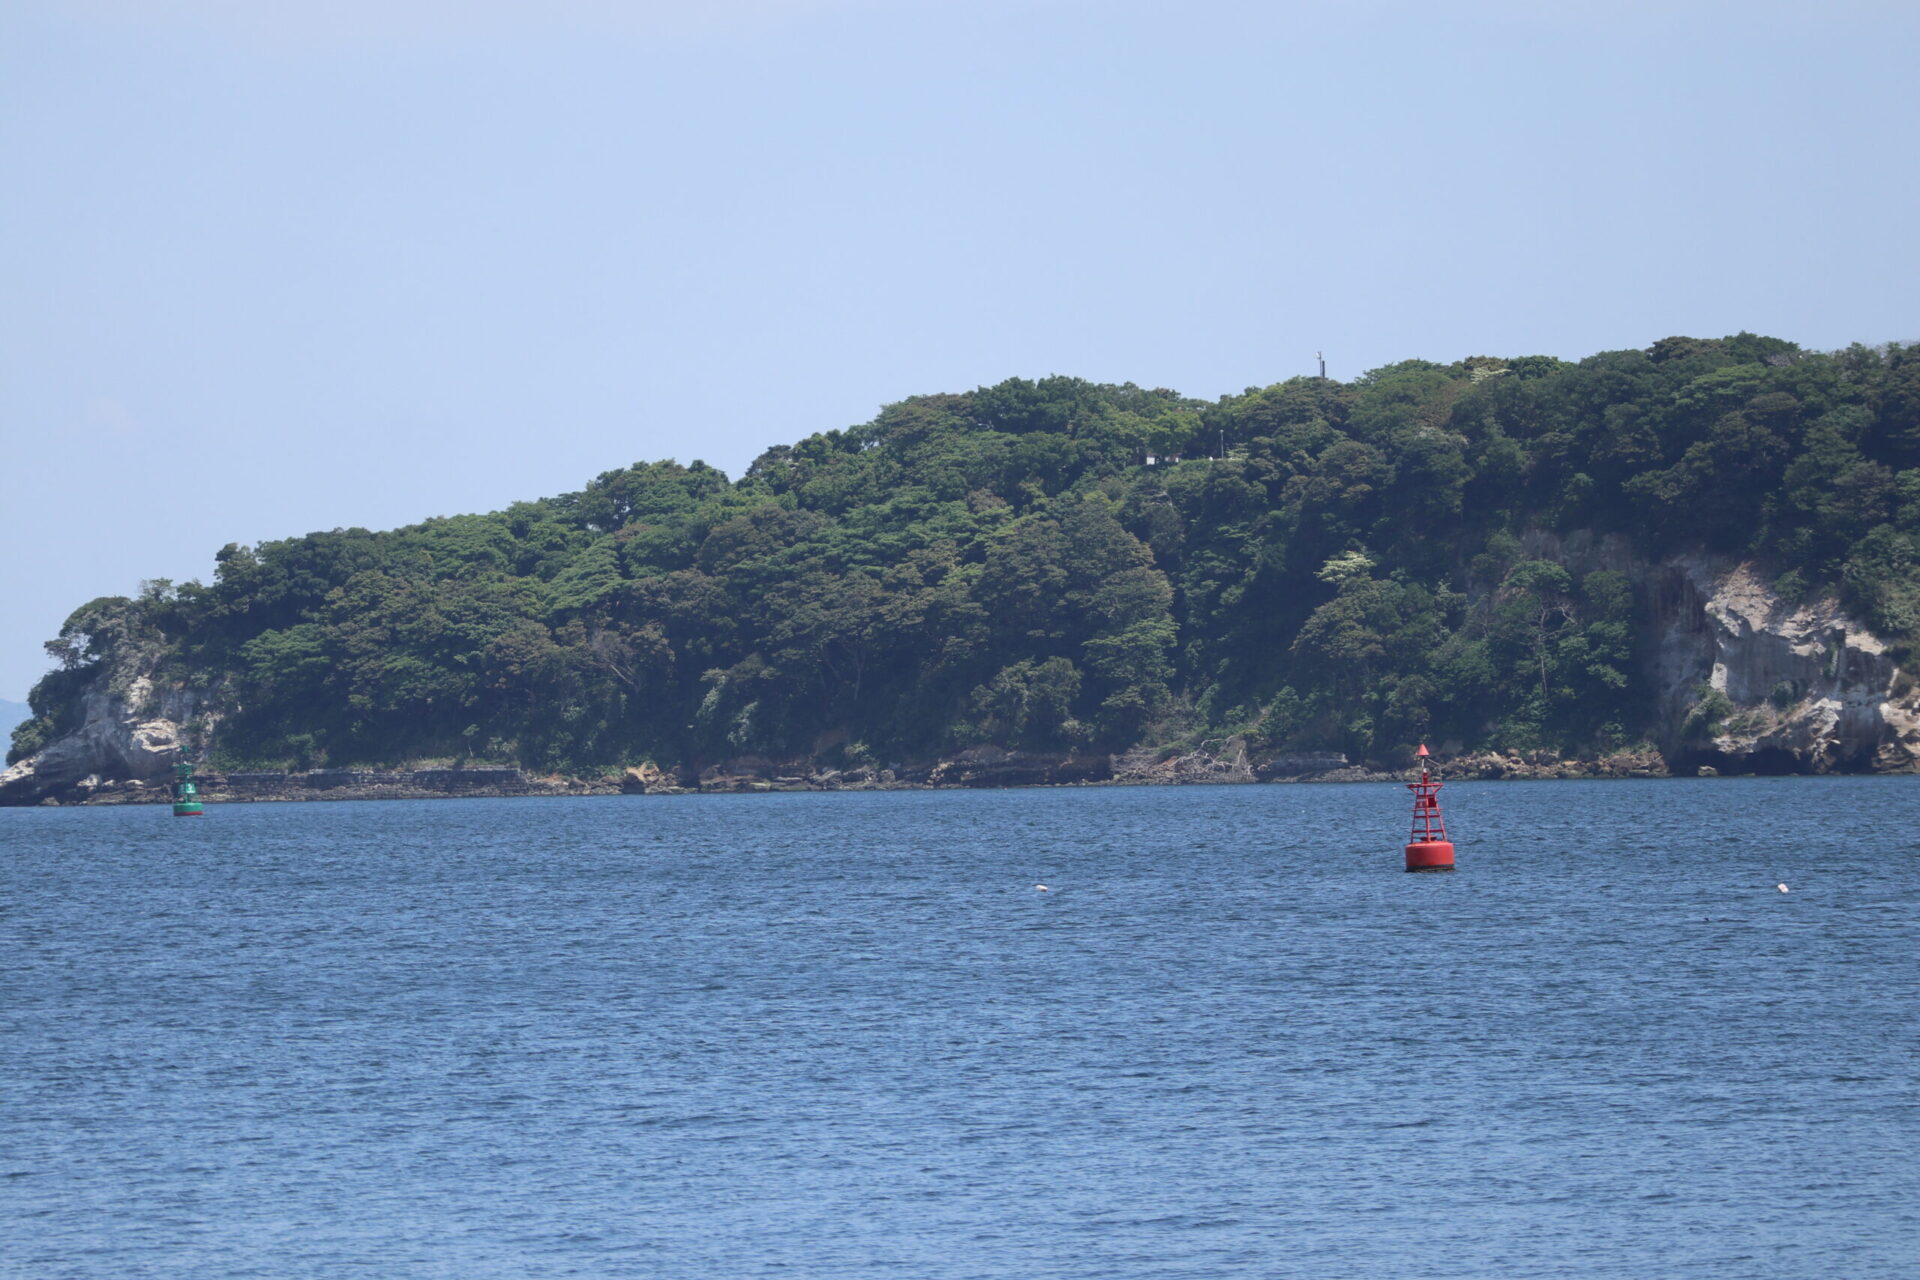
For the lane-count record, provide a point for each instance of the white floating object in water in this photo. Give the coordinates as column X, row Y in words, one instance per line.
column 1040, row 888
column 1781, row 887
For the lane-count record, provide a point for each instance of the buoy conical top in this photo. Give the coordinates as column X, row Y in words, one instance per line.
column 1429, row 849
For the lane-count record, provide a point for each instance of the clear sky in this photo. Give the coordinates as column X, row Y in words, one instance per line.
column 266, row 269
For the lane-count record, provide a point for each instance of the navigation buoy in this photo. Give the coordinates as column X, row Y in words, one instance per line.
column 186, row 795
column 1429, row 849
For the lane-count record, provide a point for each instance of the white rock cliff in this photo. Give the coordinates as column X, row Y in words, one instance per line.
column 133, row 734
column 1810, row 689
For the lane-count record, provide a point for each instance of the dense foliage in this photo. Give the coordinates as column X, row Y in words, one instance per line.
column 1058, row 564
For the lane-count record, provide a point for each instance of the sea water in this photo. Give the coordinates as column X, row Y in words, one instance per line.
column 844, row 1035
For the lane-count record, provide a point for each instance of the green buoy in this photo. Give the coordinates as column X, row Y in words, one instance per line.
column 186, row 796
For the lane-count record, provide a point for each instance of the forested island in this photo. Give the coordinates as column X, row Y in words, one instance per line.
column 1700, row 554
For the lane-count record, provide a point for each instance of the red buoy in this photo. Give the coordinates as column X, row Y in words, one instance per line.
column 1429, row 850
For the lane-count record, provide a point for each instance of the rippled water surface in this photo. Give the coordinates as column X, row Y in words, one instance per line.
column 842, row 1035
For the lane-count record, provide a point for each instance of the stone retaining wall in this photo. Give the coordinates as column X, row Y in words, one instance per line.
column 343, row 784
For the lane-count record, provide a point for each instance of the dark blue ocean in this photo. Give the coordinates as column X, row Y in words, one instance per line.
column 842, row 1036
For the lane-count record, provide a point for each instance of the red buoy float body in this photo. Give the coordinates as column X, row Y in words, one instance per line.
column 1429, row 849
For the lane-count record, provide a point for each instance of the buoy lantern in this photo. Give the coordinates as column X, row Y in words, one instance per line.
column 1429, row 849
column 186, row 795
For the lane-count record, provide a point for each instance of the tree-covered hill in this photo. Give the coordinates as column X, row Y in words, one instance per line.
column 1061, row 565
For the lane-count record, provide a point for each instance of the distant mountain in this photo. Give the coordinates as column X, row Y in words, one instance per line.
column 1706, row 547
column 11, row 714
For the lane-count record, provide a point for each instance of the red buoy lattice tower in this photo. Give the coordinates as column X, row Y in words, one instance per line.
column 1429, row 849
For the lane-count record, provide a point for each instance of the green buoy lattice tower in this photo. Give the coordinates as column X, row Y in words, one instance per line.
column 186, row 794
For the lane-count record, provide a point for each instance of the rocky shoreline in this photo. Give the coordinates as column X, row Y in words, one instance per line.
column 982, row 768
column 1747, row 682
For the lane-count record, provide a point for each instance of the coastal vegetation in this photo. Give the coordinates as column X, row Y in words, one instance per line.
column 1058, row 565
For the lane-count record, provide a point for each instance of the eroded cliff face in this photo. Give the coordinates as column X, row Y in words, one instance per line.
column 130, row 731
column 1806, row 688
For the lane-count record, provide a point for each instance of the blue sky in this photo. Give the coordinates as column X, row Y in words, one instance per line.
column 271, row 269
